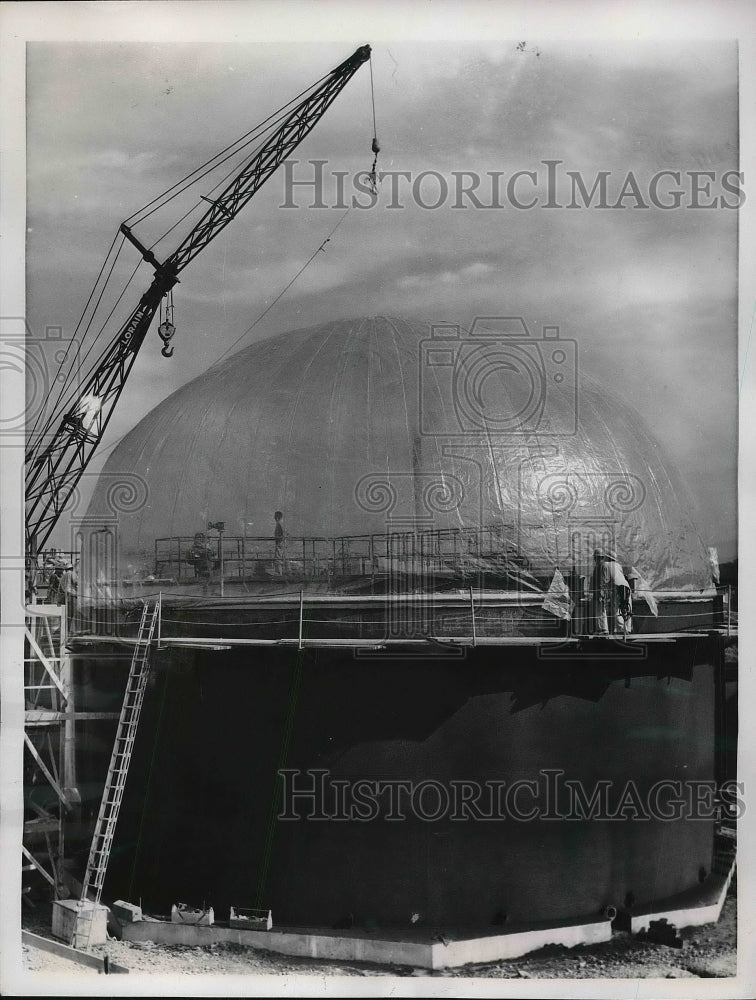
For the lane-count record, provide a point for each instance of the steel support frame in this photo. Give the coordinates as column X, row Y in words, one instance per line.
column 49, row 738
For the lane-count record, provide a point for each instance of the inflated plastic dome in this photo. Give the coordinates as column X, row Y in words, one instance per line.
column 383, row 426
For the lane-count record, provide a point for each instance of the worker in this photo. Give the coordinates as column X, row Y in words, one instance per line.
column 633, row 577
column 69, row 587
column 54, row 567
column 610, row 592
column 201, row 556
column 279, row 537
column 32, row 573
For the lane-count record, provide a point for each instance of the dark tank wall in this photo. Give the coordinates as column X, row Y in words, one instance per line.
column 200, row 817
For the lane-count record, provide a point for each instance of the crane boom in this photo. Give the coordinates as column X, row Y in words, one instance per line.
column 66, row 444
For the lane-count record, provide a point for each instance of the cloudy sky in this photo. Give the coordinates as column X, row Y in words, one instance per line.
column 649, row 295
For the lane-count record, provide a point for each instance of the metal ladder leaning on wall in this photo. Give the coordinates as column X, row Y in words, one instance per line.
column 112, row 793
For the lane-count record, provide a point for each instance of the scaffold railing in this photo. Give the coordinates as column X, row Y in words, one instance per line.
column 319, row 557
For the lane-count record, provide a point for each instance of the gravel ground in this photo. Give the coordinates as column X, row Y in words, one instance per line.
column 708, row 952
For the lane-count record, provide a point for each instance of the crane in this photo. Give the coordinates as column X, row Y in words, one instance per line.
column 63, row 446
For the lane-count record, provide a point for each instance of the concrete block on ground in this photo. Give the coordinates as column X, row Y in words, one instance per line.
column 181, row 913
column 128, row 912
column 80, row 922
column 250, row 919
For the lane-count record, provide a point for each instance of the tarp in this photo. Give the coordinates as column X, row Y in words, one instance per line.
column 375, row 425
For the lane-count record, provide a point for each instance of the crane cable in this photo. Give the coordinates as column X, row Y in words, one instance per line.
column 258, row 133
column 74, row 376
column 103, row 451
column 373, row 176
column 72, row 383
column 373, row 180
column 172, row 192
column 72, row 341
column 281, row 294
column 136, row 217
column 140, row 215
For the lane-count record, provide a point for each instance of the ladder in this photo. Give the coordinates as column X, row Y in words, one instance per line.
column 123, row 747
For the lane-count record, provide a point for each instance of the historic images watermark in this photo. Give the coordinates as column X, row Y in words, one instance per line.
column 315, row 795
column 548, row 184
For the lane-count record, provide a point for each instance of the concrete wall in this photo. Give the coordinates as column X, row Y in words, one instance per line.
column 199, row 822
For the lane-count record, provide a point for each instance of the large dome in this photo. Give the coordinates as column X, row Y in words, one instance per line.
column 364, row 426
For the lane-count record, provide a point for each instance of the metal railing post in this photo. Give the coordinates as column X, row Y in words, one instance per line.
column 301, row 616
column 472, row 614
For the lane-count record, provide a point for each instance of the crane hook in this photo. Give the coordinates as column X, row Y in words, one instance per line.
column 166, row 331
column 373, row 175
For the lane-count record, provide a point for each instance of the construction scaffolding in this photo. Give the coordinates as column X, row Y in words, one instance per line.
column 50, row 790
column 51, row 793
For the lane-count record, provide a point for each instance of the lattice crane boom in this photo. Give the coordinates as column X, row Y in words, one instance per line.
column 65, row 445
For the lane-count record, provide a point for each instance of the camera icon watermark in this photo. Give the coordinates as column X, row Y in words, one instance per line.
column 497, row 379
column 39, row 363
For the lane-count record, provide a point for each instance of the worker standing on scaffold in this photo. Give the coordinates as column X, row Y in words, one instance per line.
column 610, row 594
column 279, row 537
column 202, row 557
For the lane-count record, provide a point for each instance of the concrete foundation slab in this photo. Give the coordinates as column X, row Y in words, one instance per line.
column 702, row 906
column 425, row 949
column 385, row 950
